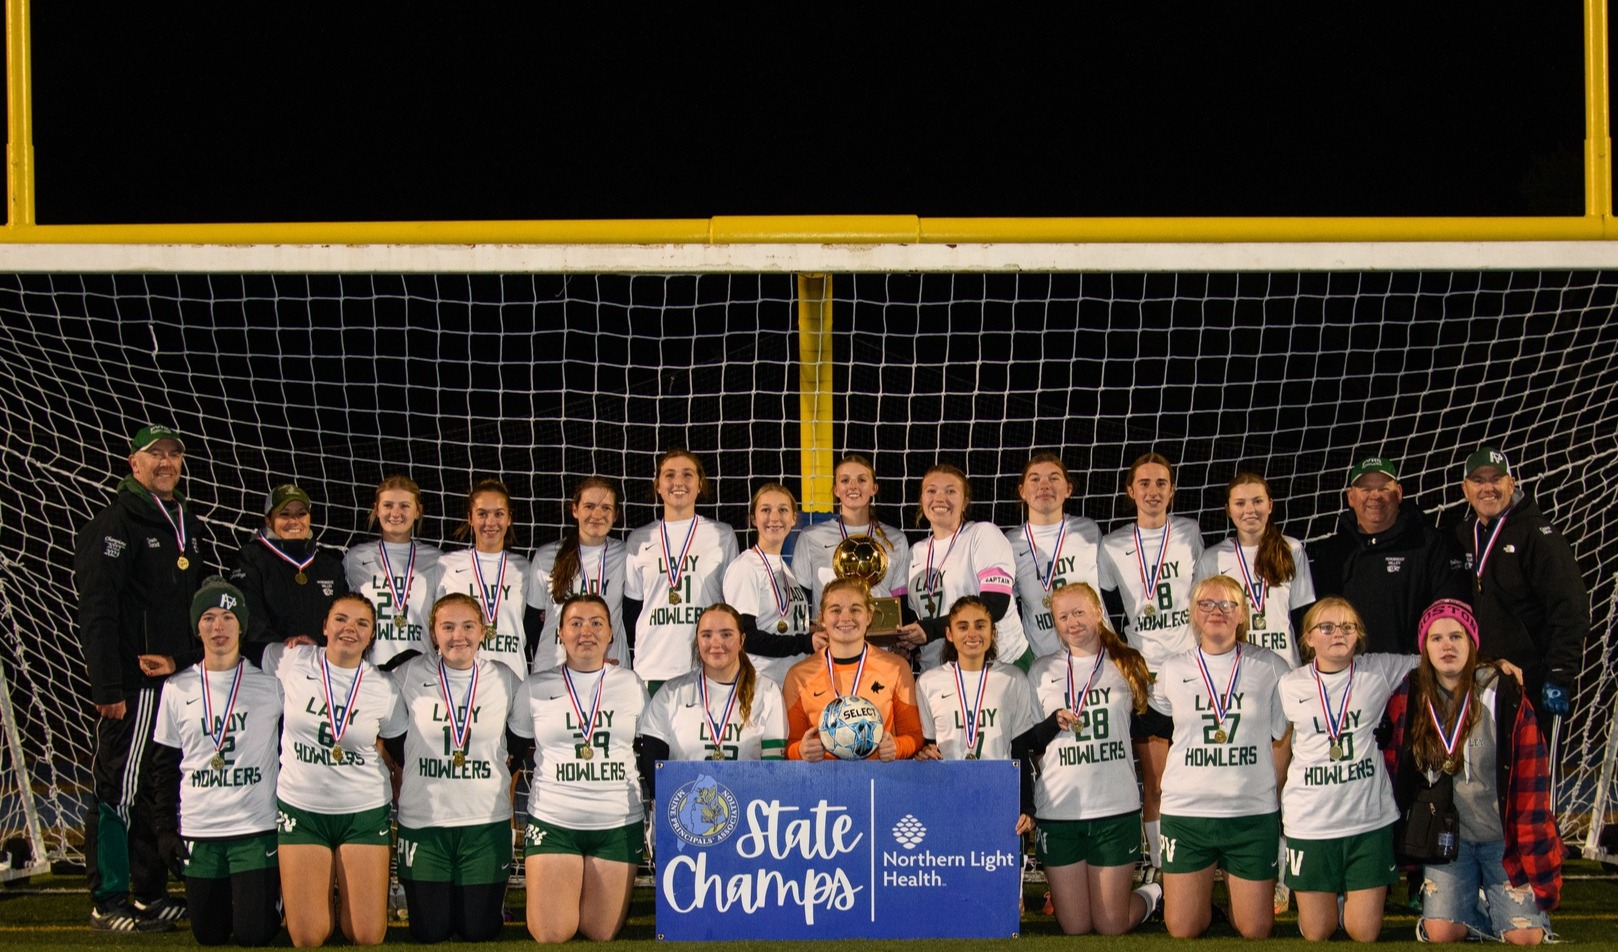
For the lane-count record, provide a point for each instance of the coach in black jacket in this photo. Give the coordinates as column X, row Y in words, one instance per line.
column 1386, row 559
column 136, row 566
column 1530, row 600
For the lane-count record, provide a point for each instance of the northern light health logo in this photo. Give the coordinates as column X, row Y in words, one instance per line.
column 909, row 832
column 703, row 812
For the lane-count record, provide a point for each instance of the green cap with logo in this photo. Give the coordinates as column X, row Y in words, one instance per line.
column 1372, row 464
column 283, row 494
column 218, row 593
column 151, row 433
column 1486, row 456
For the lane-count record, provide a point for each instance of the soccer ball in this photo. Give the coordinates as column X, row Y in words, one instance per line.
column 850, row 728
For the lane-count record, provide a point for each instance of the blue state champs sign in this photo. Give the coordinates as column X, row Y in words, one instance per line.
column 788, row 850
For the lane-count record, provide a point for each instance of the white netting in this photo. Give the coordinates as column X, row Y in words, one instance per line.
column 336, row 380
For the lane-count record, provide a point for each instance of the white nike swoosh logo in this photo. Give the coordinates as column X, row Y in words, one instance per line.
column 269, row 853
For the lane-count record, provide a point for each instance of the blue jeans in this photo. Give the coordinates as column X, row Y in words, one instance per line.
column 1450, row 892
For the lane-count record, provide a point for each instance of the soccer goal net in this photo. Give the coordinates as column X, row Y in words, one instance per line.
column 336, row 380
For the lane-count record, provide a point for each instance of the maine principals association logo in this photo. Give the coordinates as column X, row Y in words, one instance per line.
column 704, row 812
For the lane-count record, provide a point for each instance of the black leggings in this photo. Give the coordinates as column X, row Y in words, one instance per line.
column 439, row 910
column 247, row 905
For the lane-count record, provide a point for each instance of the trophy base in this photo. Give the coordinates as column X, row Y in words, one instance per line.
column 885, row 622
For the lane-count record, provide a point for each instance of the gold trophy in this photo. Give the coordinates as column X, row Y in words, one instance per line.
column 862, row 557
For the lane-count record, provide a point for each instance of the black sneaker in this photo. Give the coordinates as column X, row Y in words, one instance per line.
column 163, row 909
column 120, row 916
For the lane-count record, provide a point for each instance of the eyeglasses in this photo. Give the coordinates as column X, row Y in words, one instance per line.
column 1209, row 605
column 1330, row 628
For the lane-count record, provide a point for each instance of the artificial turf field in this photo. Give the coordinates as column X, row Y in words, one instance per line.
column 52, row 912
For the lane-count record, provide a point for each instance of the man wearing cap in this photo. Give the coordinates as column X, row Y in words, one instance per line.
column 288, row 579
column 1386, row 559
column 136, row 566
column 1529, row 596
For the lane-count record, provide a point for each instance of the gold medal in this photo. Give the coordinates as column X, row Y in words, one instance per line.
column 717, row 754
column 489, row 631
column 301, row 579
column 1046, row 601
column 1452, row 766
column 1257, row 622
column 399, row 621
column 781, row 626
column 971, row 756
column 218, row 762
column 1151, row 610
column 583, row 752
column 459, row 758
column 1336, row 752
column 674, row 597
column 1220, row 736
column 183, row 562
column 338, row 755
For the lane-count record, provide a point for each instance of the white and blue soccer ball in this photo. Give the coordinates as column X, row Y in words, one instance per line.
column 850, row 728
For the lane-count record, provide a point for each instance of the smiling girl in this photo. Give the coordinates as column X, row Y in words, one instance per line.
column 397, row 573
column 1271, row 568
column 491, row 574
column 774, row 612
column 586, row 560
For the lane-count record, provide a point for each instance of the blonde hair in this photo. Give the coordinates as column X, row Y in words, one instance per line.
column 747, row 676
column 1311, row 618
column 1231, row 587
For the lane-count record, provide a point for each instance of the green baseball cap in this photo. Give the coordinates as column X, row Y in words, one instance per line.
column 283, row 494
column 1486, row 456
column 1372, row 464
column 151, row 433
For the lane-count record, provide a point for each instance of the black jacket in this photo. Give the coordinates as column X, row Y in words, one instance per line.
column 277, row 606
column 134, row 598
column 1531, row 603
column 1390, row 577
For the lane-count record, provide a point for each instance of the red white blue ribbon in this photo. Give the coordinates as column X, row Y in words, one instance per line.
column 587, row 725
column 716, row 729
column 300, row 566
column 1078, row 699
column 491, row 605
column 1046, row 580
column 339, row 723
column 460, row 728
column 400, row 594
column 1334, row 722
column 218, row 739
column 859, row 672
column 1256, row 592
column 1220, row 705
column 1148, row 580
column 969, row 715
column 676, row 567
column 939, row 587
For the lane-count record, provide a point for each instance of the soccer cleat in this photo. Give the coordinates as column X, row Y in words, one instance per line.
column 120, row 916
column 163, row 909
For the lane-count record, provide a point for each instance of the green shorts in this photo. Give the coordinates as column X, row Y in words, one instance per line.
column 461, row 855
column 623, row 844
column 1243, row 846
column 372, row 827
column 218, row 859
column 1109, row 841
column 1342, row 864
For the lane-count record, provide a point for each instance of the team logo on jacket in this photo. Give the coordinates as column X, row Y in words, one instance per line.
column 704, row 812
column 115, row 548
column 1395, row 563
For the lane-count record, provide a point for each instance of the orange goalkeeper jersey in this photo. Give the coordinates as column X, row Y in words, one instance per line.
column 886, row 682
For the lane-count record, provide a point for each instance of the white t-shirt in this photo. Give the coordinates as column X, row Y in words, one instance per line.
column 1272, row 627
column 1088, row 774
column 600, row 791
column 1206, row 777
column 507, row 595
column 601, row 572
column 238, row 799
column 976, row 562
column 363, row 568
column 812, row 556
column 434, row 791
column 1156, row 623
column 1006, row 711
column 665, row 628
column 676, row 717
column 748, row 590
column 311, row 777
column 1081, row 548
column 1324, row 798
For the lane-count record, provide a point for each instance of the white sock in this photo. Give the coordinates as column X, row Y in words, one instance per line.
column 1152, row 895
column 1154, row 843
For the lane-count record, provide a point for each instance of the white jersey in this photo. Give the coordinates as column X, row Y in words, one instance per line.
column 579, row 784
column 666, row 627
column 1272, row 627
column 1037, row 577
column 1326, row 798
column 238, row 798
column 676, row 718
column 1007, row 710
column 435, row 790
column 977, row 561
column 507, row 597
column 418, row 582
column 1156, row 623
column 312, row 778
column 601, row 572
column 812, row 555
column 748, row 589
column 1206, row 776
column 1088, row 772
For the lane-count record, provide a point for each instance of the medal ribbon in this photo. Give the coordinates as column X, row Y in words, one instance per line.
column 1148, row 582
column 1451, row 740
column 716, row 728
column 339, row 725
column 179, row 526
column 1334, row 724
column 930, row 540
column 783, row 595
column 1257, row 592
column 1487, row 549
column 401, row 594
column 859, row 672
column 969, row 716
column 676, row 569
column 601, row 574
column 300, row 566
column 1220, row 706
column 459, row 728
column 491, row 606
column 1077, row 699
column 230, row 708
column 586, row 726
column 1056, row 553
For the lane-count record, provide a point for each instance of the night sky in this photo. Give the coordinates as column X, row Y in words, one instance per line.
column 210, row 113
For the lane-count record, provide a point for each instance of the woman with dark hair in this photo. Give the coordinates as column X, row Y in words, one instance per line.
column 289, row 580
column 587, row 560
column 854, row 486
column 1051, row 547
column 1271, row 568
column 490, row 572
